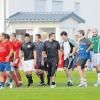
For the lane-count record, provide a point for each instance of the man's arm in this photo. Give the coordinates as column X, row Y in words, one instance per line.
column 35, row 57
column 11, row 51
column 43, row 53
column 59, row 55
column 10, row 54
column 75, row 47
column 59, row 52
column 74, row 50
column 90, row 45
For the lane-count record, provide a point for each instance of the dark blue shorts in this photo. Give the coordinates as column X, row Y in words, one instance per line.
column 5, row 66
column 82, row 62
column 68, row 63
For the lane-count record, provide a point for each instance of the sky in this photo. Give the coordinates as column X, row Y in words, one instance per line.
column 90, row 11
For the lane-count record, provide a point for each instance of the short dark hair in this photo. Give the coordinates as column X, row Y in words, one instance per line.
column 14, row 34
column 7, row 36
column 51, row 34
column 27, row 35
column 82, row 32
column 38, row 35
column 64, row 33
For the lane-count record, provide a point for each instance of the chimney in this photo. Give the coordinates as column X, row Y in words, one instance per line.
column 77, row 7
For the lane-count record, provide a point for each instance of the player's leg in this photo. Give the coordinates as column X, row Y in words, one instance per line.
column 53, row 77
column 28, row 68
column 15, row 78
column 1, row 80
column 98, row 75
column 68, row 72
column 82, row 79
column 53, row 71
column 25, row 68
column 82, row 72
column 47, row 71
column 2, row 68
column 40, row 73
column 18, row 75
column 8, row 72
column 96, row 63
column 48, row 76
column 5, row 77
column 10, row 79
column 29, row 78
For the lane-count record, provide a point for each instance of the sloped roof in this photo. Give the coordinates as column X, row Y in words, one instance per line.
column 45, row 16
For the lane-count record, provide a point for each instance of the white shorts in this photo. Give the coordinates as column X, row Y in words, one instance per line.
column 28, row 65
column 96, row 59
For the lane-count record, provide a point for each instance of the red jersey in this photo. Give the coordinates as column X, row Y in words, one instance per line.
column 16, row 48
column 0, row 48
column 5, row 49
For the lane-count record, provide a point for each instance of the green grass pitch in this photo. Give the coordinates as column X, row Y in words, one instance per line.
column 61, row 92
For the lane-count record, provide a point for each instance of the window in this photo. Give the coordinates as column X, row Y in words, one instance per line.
column 45, row 31
column 20, row 33
column 57, row 5
column 40, row 5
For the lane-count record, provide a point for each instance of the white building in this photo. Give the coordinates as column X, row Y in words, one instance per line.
column 37, row 16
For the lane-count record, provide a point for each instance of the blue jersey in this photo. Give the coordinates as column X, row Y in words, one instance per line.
column 39, row 48
column 83, row 45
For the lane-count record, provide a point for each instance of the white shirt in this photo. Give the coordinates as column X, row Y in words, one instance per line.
column 67, row 49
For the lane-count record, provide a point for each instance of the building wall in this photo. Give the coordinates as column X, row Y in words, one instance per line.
column 33, row 28
column 38, row 27
column 30, row 25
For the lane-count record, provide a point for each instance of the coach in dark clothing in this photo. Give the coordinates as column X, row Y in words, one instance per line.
column 52, row 50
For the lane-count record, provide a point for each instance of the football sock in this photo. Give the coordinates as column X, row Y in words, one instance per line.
column 98, row 75
column 48, row 80
column 2, row 84
column 27, row 76
column 41, row 77
column 53, row 83
column 30, row 78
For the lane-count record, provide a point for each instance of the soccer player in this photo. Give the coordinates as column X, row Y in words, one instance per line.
column 5, row 54
column 5, row 76
column 16, row 44
column 39, row 68
column 68, row 47
column 28, row 48
column 0, row 52
column 96, row 55
column 52, row 50
column 84, row 48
